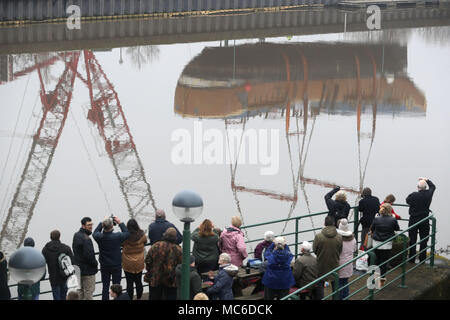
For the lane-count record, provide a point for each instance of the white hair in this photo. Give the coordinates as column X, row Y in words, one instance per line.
column 269, row 235
column 225, row 257
column 422, row 185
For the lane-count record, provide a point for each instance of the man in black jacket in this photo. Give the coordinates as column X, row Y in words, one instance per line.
column 83, row 250
column 109, row 244
column 51, row 252
column 157, row 228
column 369, row 206
column 419, row 207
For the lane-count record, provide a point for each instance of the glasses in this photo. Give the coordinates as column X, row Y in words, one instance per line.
column 89, row 224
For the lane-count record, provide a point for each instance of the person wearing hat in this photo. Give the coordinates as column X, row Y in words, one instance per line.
column 348, row 247
column 278, row 278
column 262, row 246
column 195, row 281
column 35, row 288
column 305, row 269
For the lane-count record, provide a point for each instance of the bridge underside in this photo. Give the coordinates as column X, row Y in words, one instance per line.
column 45, row 37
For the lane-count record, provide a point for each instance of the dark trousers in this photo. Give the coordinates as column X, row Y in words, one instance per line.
column 320, row 289
column 134, row 279
column 271, row 294
column 364, row 231
column 424, row 230
column 162, row 293
column 107, row 273
column 382, row 256
column 346, row 290
column 59, row 291
column 205, row 266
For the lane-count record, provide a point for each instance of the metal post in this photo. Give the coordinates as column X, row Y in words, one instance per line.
column 27, row 293
column 296, row 237
column 336, row 295
column 433, row 241
column 355, row 225
column 185, row 272
column 404, row 256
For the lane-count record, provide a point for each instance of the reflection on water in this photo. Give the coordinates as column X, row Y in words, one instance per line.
column 298, row 82
column 105, row 113
column 291, row 84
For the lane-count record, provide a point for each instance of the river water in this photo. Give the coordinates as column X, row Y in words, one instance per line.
column 364, row 110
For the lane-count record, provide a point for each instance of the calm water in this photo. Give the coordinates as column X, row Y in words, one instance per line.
column 364, row 110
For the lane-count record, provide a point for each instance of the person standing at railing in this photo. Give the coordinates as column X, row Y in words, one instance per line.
column 5, row 294
column 51, row 253
column 419, row 207
column 348, row 248
column 157, row 228
column 369, row 207
column 84, row 254
column 133, row 254
column 338, row 208
column 109, row 244
column 383, row 228
column 232, row 242
column 390, row 198
column 206, row 246
column 327, row 246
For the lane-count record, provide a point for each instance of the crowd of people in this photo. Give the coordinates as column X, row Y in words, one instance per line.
column 218, row 254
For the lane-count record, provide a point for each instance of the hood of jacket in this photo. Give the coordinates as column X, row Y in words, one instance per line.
column 329, row 231
column 53, row 246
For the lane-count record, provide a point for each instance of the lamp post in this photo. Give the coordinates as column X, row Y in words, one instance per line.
column 187, row 206
column 27, row 266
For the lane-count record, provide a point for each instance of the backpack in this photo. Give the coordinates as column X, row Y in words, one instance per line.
column 65, row 265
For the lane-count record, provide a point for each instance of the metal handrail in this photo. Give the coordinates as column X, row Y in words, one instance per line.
column 371, row 253
column 334, row 272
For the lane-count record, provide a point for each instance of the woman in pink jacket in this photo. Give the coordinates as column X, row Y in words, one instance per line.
column 232, row 242
column 348, row 247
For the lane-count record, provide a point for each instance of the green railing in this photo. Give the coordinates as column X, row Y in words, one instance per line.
column 334, row 273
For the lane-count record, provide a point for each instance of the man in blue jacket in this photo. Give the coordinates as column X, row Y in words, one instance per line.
column 419, row 207
column 157, row 228
column 109, row 244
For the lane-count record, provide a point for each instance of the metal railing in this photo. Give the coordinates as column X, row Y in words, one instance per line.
column 334, row 273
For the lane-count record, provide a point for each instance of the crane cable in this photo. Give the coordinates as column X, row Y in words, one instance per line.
column 92, row 164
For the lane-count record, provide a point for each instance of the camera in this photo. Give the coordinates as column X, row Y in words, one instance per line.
column 113, row 221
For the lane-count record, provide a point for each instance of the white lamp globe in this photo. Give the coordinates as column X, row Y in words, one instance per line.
column 27, row 265
column 187, row 205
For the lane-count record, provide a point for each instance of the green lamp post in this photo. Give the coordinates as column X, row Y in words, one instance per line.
column 187, row 206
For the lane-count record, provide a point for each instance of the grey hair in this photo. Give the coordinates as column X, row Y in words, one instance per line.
column 422, row 185
column 225, row 257
column 160, row 214
column 269, row 235
column 107, row 224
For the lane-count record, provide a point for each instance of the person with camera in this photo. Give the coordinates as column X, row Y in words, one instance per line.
column 109, row 244
column 278, row 277
column 419, row 208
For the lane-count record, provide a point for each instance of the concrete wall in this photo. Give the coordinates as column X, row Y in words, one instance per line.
column 51, row 9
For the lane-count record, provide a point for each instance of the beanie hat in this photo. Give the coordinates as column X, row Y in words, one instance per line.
column 28, row 242
column 344, row 229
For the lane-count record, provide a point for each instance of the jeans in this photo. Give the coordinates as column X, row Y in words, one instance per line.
column 271, row 294
column 107, row 272
column 424, row 230
column 132, row 279
column 162, row 293
column 345, row 291
column 59, row 291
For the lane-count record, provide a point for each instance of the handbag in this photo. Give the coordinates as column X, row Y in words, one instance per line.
column 368, row 241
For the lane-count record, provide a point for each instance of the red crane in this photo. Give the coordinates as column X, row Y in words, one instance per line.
column 107, row 114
